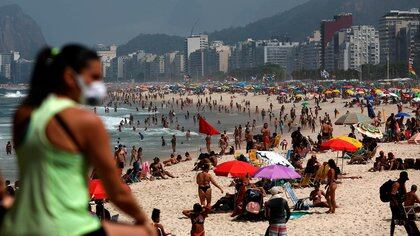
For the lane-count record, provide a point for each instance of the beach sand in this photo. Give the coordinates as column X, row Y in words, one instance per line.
column 360, row 210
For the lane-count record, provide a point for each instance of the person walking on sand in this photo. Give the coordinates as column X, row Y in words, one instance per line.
column 173, row 143
column 52, row 132
column 203, row 180
column 277, row 212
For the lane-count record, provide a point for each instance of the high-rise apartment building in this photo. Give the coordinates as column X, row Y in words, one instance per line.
column 394, row 28
column 192, row 44
column 329, row 27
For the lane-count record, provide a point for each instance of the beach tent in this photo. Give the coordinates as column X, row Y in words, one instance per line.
column 272, row 158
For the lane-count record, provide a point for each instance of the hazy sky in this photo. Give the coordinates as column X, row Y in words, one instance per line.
column 108, row 21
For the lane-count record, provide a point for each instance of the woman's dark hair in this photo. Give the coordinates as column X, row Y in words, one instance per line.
column 49, row 68
column 333, row 166
column 197, row 208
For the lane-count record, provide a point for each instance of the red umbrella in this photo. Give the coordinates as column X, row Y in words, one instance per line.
column 96, row 190
column 206, row 128
column 235, row 169
column 341, row 143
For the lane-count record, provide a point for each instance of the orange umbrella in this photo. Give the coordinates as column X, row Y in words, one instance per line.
column 342, row 143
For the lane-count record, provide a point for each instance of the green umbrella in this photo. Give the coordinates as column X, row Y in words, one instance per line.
column 352, row 118
column 305, row 103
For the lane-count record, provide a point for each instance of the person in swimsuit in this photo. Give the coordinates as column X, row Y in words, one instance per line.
column 156, row 169
column 204, row 189
column 331, row 186
column 57, row 142
column 197, row 216
column 266, row 136
column 316, row 197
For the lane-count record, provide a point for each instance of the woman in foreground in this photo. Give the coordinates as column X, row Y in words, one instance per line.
column 56, row 142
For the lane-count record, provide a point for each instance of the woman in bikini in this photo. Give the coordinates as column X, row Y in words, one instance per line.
column 197, row 216
column 204, row 189
column 331, row 186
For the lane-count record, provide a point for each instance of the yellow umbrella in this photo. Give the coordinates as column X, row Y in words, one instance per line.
column 299, row 95
column 328, row 92
column 378, row 91
column 350, row 92
column 336, row 91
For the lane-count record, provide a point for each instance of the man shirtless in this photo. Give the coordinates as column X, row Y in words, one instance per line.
column 412, row 200
column 204, row 188
column 156, row 169
column 208, row 143
column 120, row 157
column 316, row 197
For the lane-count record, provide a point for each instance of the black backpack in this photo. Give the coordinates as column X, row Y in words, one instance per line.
column 385, row 191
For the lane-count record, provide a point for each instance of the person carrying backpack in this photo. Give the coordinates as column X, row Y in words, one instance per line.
column 395, row 192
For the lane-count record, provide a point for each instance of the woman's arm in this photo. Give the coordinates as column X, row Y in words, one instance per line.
column 215, row 184
column 96, row 146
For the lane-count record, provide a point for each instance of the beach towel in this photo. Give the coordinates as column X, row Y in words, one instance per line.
column 276, row 230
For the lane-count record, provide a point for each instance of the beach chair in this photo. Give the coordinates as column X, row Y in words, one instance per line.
column 410, row 212
column 306, row 181
column 289, row 154
column 321, row 174
column 365, row 157
column 292, row 196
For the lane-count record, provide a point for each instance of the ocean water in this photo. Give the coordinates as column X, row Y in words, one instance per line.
column 151, row 142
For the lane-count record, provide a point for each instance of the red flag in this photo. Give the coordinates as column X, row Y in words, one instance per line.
column 206, row 128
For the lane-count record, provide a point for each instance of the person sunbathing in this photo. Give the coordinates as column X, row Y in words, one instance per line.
column 171, row 161
column 156, row 169
column 412, row 199
column 316, row 197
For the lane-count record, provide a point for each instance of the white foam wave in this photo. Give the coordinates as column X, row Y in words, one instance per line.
column 6, row 125
column 111, row 122
column 164, row 132
column 16, row 94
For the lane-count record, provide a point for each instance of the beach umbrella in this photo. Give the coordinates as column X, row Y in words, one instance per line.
column 416, row 100
column 342, row 143
column 336, row 91
column 206, row 128
column 275, row 172
column 351, row 119
column 393, row 95
column 305, row 103
column 368, row 130
column 273, row 158
column 350, row 92
column 402, row 115
column 235, row 169
column 299, row 95
column 96, row 190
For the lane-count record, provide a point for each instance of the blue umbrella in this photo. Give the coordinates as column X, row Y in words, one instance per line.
column 402, row 114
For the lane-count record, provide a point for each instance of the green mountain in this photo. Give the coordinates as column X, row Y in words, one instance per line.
column 152, row 43
column 300, row 21
column 19, row 32
column 297, row 23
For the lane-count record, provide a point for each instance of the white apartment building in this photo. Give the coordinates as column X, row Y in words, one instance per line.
column 106, row 54
column 279, row 53
column 194, row 43
column 357, row 46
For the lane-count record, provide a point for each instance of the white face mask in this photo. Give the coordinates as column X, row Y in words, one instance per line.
column 93, row 93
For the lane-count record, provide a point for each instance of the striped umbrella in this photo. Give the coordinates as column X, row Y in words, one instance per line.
column 351, row 119
column 368, row 130
column 342, row 143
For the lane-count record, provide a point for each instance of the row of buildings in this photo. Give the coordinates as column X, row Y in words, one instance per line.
column 336, row 45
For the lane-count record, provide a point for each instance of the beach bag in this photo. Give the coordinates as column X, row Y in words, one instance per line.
column 385, row 191
column 301, row 206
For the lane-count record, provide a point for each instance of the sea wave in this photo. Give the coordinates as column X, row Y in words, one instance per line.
column 16, row 94
column 164, row 132
column 111, row 122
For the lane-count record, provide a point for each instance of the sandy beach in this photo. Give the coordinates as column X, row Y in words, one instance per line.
column 359, row 212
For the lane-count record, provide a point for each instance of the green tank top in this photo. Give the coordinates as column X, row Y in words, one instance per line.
column 53, row 198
